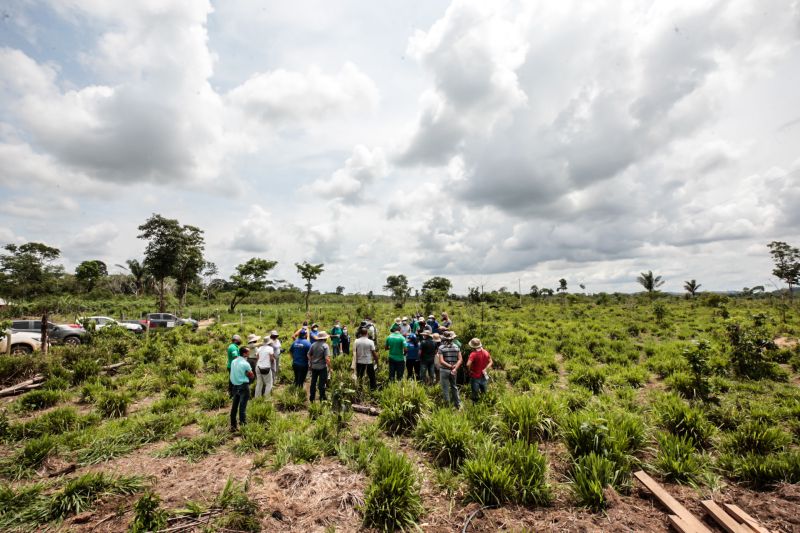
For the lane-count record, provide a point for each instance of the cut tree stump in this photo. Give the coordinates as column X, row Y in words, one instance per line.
column 687, row 519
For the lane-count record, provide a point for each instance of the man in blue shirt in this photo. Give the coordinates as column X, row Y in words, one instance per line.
column 433, row 325
column 299, row 351
column 240, row 377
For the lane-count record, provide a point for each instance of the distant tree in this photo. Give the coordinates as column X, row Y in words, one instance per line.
column 398, row 287
column 209, row 272
column 339, row 290
column 692, row 287
column 562, row 286
column 787, row 263
column 165, row 238
column 534, row 292
column 309, row 272
column 27, row 270
column 90, row 272
column 438, row 283
column 546, row 292
column 750, row 291
column 250, row 276
column 650, row 282
column 190, row 261
column 138, row 273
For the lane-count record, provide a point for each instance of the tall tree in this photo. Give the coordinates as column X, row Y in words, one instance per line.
column 90, row 272
column 27, row 270
column 250, row 276
column 534, row 292
column 692, row 287
column 438, row 283
column 562, row 286
column 398, row 286
column 138, row 273
column 309, row 272
column 787, row 263
column 189, row 262
column 650, row 282
column 340, row 289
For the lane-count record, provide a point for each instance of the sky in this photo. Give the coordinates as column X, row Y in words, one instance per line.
column 502, row 144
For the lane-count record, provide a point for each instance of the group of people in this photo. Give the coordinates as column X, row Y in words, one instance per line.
column 426, row 350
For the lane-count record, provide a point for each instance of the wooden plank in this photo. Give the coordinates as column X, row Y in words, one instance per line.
column 673, row 505
column 722, row 518
column 679, row 525
column 737, row 512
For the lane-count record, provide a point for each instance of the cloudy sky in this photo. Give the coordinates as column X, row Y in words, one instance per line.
column 501, row 143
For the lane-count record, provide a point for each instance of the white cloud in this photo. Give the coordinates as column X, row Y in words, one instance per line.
column 93, row 241
column 255, row 233
column 350, row 183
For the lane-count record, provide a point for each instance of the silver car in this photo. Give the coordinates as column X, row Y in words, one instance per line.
column 103, row 321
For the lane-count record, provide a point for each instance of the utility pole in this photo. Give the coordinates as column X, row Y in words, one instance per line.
column 519, row 290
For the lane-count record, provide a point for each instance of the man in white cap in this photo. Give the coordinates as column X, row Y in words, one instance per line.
column 479, row 362
column 449, row 356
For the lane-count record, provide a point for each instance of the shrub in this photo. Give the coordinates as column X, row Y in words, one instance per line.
column 529, row 467
column 149, row 514
column 591, row 474
column 290, row 399
column 447, row 435
column 212, row 399
column 80, row 493
column 240, row 512
column 402, row 403
column 392, row 500
column 83, row 369
column 113, row 404
column 678, row 418
column 490, row 481
column 29, row 458
column 747, row 351
column 677, row 458
column 529, row 418
column 758, row 438
column 188, row 363
column 38, row 399
column 590, row 377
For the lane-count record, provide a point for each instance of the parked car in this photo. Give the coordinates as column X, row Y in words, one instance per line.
column 22, row 342
column 73, row 334
column 167, row 320
column 103, row 321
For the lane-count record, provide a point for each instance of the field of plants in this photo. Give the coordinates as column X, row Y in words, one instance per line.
column 703, row 394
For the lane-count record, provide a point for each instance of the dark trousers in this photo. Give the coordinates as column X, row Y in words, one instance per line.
column 319, row 378
column 369, row 368
column 336, row 350
column 478, row 386
column 300, row 373
column 241, row 393
column 412, row 368
column 396, row 369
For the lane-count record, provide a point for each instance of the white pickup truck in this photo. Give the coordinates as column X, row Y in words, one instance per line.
column 22, row 342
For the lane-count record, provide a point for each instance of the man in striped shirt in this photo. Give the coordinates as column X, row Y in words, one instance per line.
column 449, row 356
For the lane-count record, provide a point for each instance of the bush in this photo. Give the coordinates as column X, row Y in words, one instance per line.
column 149, row 514
column 529, row 418
column 591, row 474
column 38, row 399
column 402, row 403
column 113, row 404
column 290, row 399
column 16, row 368
column 240, row 512
column 83, row 369
column 529, row 467
column 392, row 500
column 447, row 435
column 188, row 363
column 677, row 458
column 212, row 399
column 757, row 437
column 680, row 419
column 590, row 377
column 748, row 347
column 490, row 481
column 80, row 493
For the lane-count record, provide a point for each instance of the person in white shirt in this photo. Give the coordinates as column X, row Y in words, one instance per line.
column 276, row 356
column 264, row 370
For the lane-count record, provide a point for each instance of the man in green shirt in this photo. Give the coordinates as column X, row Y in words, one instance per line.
column 396, row 344
column 233, row 353
column 336, row 337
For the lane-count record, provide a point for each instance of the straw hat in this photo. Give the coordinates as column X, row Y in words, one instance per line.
column 273, row 333
column 397, row 320
column 475, row 343
column 322, row 335
column 436, row 337
column 449, row 335
column 425, row 333
column 236, row 338
column 253, row 338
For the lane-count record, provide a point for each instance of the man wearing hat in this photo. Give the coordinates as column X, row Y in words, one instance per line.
column 319, row 361
column 432, row 324
column 479, row 363
column 405, row 327
column 239, row 378
column 233, row 353
column 427, row 355
column 449, row 356
column 252, row 345
column 336, row 337
column 263, row 370
column 275, row 342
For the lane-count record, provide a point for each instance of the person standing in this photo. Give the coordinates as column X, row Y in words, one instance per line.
column 396, row 345
column 302, row 329
column 432, row 324
column 336, row 338
column 252, row 346
column 366, row 356
column 372, row 329
column 233, row 353
column 312, row 335
column 449, row 356
column 240, row 376
column 446, row 322
column 405, row 327
column 479, row 362
column 263, row 371
column 412, row 357
column 299, row 351
column 345, row 341
column 275, row 342
column 427, row 356
column 319, row 361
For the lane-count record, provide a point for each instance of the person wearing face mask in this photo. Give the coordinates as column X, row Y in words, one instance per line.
column 336, row 338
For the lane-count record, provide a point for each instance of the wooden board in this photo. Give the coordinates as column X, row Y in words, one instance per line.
column 673, row 505
column 680, row 525
column 722, row 518
column 737, row 512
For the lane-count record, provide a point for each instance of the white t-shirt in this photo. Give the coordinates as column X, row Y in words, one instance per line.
column 364, row 348
column 276, row 347
column 265, row 356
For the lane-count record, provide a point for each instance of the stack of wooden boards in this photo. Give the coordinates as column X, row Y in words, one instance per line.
column 731, row 518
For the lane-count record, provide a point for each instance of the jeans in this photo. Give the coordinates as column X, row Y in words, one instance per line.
column 396, row 369
column 449, row 387
column 319, row 377
column 412, row 369
column 427, row 372
column 478, row 386
column 369, row 368
column 263, row 383
column 241, row 393
column 300, row 373
column 336, row 349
